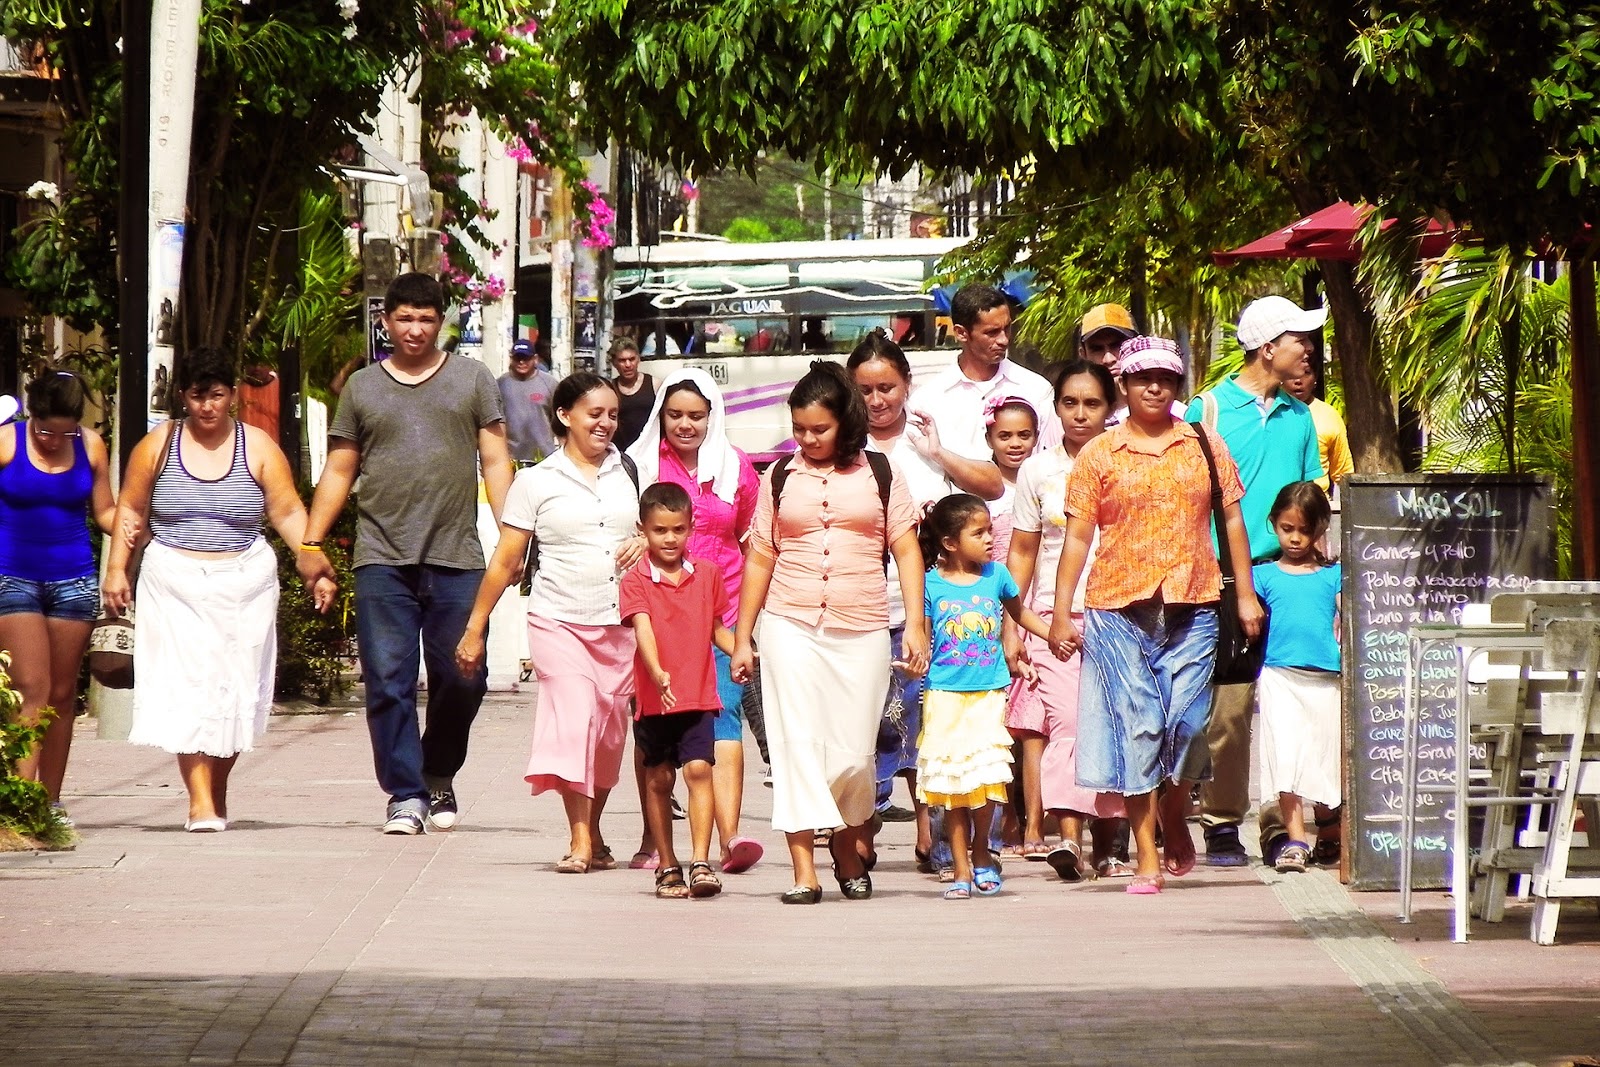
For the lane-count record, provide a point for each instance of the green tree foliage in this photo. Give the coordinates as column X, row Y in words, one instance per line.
column 283, row 87
column 1486, row 111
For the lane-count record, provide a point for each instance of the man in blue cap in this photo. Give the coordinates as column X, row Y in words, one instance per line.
column 525, row 393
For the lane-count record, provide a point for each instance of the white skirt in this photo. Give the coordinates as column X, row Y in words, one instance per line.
column 823, row 692
column 1301, row 734
column 205, row 645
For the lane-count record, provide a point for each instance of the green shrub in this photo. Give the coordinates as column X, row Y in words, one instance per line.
column 24, row 804
column 315, row 649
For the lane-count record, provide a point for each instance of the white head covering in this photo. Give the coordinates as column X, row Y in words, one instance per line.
column 719, row 460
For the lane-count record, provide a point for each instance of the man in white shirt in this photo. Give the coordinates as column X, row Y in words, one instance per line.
column 949, row 405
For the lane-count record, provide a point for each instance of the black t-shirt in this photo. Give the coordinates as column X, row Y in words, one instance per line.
column 634, row 411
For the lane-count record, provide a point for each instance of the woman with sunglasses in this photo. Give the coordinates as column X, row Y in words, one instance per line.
column 53, row 471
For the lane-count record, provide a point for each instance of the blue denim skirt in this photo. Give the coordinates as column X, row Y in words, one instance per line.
column 1145, row 696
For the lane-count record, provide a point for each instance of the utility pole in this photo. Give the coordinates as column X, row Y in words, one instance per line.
column 133, row 229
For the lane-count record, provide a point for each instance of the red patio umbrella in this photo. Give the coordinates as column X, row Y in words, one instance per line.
column 1329, row 234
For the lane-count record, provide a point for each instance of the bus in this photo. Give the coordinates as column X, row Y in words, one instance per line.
column 754, row 316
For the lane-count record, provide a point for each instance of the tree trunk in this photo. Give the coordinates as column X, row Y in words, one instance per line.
column 1368, row 407
column 1585, row 423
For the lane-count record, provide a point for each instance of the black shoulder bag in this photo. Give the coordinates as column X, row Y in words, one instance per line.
column 1238, row 658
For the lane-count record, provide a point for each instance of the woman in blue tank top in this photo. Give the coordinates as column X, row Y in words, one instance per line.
column 205, row 645
column 53, row 474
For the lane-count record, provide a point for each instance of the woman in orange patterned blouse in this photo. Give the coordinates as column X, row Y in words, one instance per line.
column 1150, row 618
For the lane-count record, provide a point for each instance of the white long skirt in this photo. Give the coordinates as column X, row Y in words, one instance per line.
column 1300, row 734
column 205, row 645
column 823, row 694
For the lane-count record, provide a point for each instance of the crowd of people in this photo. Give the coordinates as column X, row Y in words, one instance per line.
column 1002, row 589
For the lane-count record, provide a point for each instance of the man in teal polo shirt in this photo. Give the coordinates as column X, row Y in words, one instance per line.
column 1273, row 439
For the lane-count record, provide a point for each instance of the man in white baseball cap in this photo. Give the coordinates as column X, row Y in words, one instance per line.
column 1273, row 439
column 1268, row 319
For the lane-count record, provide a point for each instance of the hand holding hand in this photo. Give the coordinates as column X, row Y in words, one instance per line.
column 663, row 682
column 131, row 529
column 115, row 592
column 1065, row 641
column 914, row 650
column 323, row 593
column 1251, row 616
column 469, row 654
column 313, row 565
column 742, row 665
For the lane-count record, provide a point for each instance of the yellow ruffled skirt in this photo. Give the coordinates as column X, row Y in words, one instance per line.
column 964, row 753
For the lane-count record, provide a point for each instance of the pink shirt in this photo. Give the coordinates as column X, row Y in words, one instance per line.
column 718, row 525
column 830, row 543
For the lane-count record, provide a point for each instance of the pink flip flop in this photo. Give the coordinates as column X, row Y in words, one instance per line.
column 743, row 853
column 645, row 861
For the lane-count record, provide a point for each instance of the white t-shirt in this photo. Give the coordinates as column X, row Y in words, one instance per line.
column 955, row 402
column 927, row 484
column 578, row 528
column 1040, row 508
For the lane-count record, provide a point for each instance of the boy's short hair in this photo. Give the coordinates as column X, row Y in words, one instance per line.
column 414, row 290
column 664, row 496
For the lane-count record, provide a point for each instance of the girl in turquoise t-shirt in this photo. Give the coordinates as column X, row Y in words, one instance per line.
column 964, row 753
column 1299, row 689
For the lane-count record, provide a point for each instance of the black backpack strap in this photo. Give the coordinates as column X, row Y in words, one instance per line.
column 780, row 474
column 885, row 476
column 632, row 468
column 1224, row 550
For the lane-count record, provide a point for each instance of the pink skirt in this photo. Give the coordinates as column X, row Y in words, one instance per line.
column 580, row 724
column 1051, row 709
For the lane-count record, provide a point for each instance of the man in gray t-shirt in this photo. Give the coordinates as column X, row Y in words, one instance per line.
column 525, row 394
column 416, row 428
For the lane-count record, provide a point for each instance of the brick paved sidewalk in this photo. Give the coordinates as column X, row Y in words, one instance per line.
column 304, row 936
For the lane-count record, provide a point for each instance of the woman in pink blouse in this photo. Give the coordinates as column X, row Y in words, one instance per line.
column 816, row 566
column 685, row 442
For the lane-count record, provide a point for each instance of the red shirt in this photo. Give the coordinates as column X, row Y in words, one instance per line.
column 683, row 618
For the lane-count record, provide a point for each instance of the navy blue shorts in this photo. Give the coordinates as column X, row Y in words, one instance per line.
column 75, row 598
column 678, row 737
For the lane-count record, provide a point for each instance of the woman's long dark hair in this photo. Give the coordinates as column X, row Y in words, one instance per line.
column 829, row 384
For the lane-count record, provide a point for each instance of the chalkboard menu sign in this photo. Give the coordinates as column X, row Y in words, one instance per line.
column 1418, row 549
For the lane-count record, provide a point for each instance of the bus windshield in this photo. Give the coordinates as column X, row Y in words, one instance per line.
column 753, row 316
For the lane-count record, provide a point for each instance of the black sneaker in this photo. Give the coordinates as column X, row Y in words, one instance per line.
column 442, row 809
column 404, row 821
column 894, row 813
column 1224, row 849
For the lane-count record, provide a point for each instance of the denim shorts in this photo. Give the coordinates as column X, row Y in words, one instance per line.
column 730, row 724
column 77, row 599
column 1145, row 696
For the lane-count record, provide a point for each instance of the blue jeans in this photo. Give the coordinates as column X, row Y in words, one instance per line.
column 899, row 728
column 1145, row 696
column 394, row 607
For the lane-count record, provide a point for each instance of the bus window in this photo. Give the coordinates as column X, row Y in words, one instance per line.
column 759, row 337
column 815, row 336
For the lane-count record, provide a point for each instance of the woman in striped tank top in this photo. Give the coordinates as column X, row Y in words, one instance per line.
column 199, row 490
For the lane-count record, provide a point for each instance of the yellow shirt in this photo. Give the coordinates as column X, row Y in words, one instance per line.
column 1332, row 442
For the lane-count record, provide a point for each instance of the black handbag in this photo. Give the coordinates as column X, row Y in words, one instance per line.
column 1238, row 657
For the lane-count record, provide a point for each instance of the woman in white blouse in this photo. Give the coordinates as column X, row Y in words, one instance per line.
column 579, row 508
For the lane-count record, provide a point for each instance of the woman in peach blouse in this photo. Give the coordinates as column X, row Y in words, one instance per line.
column 1150, row 607
column 816, row 566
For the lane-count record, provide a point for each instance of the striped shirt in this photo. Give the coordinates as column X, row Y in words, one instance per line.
column 223, row 515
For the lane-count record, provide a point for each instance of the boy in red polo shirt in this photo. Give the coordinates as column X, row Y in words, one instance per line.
column 675, row 605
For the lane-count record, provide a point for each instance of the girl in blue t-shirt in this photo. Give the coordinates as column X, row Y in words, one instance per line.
column 964, row 753
column 1299, row 689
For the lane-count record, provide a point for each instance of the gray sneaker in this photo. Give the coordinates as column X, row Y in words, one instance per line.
column 404, row 821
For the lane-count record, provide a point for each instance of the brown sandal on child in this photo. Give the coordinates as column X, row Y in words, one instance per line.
column 670, row 884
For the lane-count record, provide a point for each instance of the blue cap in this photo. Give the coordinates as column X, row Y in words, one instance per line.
column 522, row 348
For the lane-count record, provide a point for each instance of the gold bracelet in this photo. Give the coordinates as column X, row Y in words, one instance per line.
column 308, row 547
